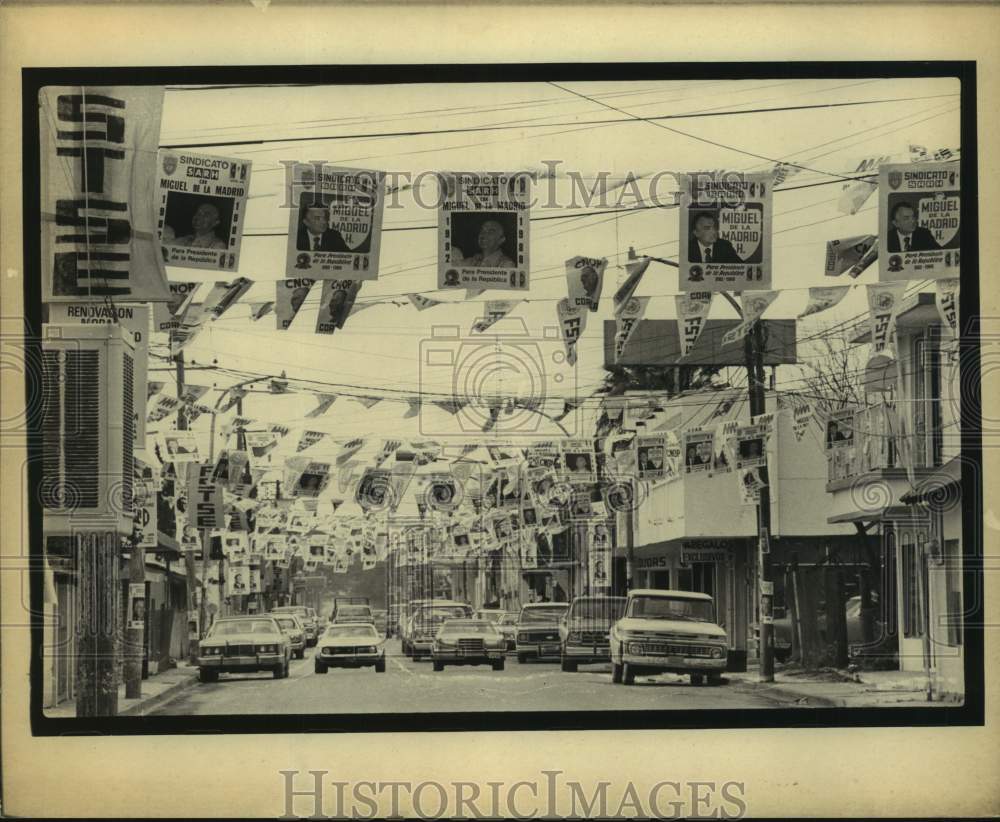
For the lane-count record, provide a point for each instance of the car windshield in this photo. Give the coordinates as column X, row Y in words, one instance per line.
column 351, row 630
column 438, row 613
column 353, row 610
column 300, row 612
column 551, row 613
column 598, row 610
column 287, row 622
column 694, row 610
column 509, row 619
column 244, row 626
column 467, row 626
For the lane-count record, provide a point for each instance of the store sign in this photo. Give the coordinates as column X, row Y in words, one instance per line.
column 703, row 552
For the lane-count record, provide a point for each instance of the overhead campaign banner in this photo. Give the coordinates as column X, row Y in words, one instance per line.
column 919, row 221
column 692, row 312
column 947, row 294
column 98, row 205
column 166, row 316
column 698, row 450
column 204, row 501
column 847, row 254
column 724, row 450
column 585, row 281
column 495, row 311
column 260, row 310
column 634, row 272
column 855, row 193
column 755, row 303
column 421, row 303
column 202, row 203
column 824, row 297
column 335, row 303
column 483, row 230
column 725, row 232
column 224, row 296
column 289, row 295
column 883, row 305
column 627, row 320
column 190, row 323
column 572, row 321
column 161, row 407
column 325, row 403
column 335, row 224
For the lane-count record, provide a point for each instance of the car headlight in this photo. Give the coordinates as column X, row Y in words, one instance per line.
column 717, row 653
column 327, row 650
column 210, row 651
column 366, row 649
column 522, row 637
column 267, row 649
column 575, row 636
column 635, row 648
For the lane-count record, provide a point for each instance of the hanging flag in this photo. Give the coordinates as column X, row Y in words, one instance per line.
column 421, row 303
column 633, row 274
column 585, row 280
column 572, row 321
column 856, row 192
column 883, row 305
column 495, row 310
column 161, row 408
column 325, row 402
column 919, row 221
column 202, row 203
column 260, row 310
column 153, row 387
column 483, row 231
column 98, row 203
column 234, row 396
column 357, row 308
column 472, row 293
column 195, row 411
column 278, row 385
column 335, row 228
column 802, row 414
column 626, row 321
column 192, row 393
column 755, row 303
column 451, row 406
column 725, row 224
column 309, row 438
column 260, row 444
column 289, row 295
column 947, row 291
column 335, row 304
column 278, row 431
column 414, row 408
column 166, row 316
column 369, row 402
column 843, row 255
column 692, row 313
column 187, row 329
column 782, row 171
column 822, row 298
column 920, row 154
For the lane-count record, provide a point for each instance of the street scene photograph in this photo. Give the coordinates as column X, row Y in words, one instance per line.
column 409, row 397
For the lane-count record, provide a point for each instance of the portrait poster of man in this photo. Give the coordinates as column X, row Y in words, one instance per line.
column 335, row 303
column 698, row 450
column 237, row 579
column 578, row 460
column 840, row 429
column 599, row 565
column 751, row 446
column 203, row 200
column 585, row 280
column 235, row 546
column 651, row 456
column 289, row 296
column 335, row 224
column 180, row 446
column 136, row 605
column 274, row 545
column 919, row 221
column 581, row 506
column 483, row 231
column 725, row 231
column 313, row 481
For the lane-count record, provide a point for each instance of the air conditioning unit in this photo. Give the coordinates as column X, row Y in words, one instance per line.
column 87, row 428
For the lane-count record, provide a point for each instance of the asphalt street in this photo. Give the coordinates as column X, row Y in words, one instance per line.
column 409, row 687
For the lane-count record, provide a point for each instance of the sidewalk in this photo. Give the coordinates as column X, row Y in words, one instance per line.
column 155, row 691
column 831, row 688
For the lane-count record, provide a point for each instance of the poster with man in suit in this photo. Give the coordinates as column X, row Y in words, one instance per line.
column 725, row 231
column 919, row 221
column 335, row 222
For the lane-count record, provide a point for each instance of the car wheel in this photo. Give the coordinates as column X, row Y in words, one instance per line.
column 522, row 658
column 438, row 666
column 498, row 665
column 569, row 667
column 697, row 679
column 628, row 674
column 380, row 666
column 319, row 667
column 279, row 672
column 616, row 673
column 205, row 675
column 715, row 679
column 300, row 654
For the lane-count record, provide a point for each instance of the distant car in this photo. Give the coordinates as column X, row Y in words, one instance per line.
column 381, row 619
column 426, row 620
column 307, row 616
column 508, row 627
column 490, row 614
column 350, row 645
column 585, row 630
column 346, row 614
column 665, row 631
column 295, row 631
column 538, row 631
column 406, row 612
column 243, row 645
column 468, row 642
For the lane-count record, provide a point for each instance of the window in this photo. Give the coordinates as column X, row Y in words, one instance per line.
column 927, row 440
column 913, row 624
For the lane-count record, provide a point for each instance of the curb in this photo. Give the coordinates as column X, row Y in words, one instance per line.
column 146, row 705
column 791, row 696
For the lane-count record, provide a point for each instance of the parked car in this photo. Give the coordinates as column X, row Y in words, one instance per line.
column 350, row 645
column 666, row 631
column 490, row 614
column 307, row 616
column 292, row 628
column 468, row 642
column 243, row 645
column 538, row 630
column 584, row 631
column 380, row 617
column 406, row 612
column 426, row 620
column 508, row 627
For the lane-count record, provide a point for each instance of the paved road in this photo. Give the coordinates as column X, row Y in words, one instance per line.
column 524, row 687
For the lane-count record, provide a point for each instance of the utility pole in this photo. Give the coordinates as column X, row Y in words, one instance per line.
column 135, row 635
column 754, row 353
column 192, row 577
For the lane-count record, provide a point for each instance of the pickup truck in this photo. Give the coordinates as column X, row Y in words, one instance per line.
column 665, row 631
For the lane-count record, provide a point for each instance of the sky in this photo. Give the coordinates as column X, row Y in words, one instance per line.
column 543, row 126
